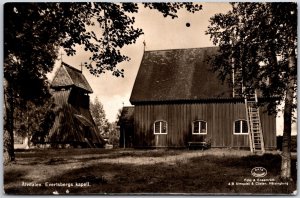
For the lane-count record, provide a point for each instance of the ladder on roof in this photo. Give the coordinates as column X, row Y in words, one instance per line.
column 237, row 83
column 256, row 138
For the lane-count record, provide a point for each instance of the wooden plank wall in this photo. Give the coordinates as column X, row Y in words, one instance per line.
column 220, row 118
column 67, row 128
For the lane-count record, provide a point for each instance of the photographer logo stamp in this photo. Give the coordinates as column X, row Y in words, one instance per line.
column 259, row 172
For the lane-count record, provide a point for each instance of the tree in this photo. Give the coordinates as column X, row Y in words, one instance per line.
column 113, row 134
column 34, row 121
column 29, row 53
column 44, row 115
column 34, row 32
column 261, row 40
column 99, row 116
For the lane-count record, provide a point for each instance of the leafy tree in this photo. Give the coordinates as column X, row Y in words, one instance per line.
column 34, row 32
column 44, row 115
column 29, row 53
column 38, row 121
column 33, row 121
column 99, row 116
column 261, row 40
column 113, row 134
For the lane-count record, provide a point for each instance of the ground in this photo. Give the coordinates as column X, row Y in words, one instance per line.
column 101, row 171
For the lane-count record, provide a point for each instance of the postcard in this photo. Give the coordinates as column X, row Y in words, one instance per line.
column 148, row 98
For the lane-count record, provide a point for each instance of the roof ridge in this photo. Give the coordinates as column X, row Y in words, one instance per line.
column 64, row 65
column 181, row 49
column 71, row 67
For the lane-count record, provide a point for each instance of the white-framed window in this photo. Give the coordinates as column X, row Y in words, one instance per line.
column 160, row 127
column 199, row 127
column 240, row 127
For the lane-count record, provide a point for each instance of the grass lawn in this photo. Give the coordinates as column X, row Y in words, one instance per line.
column 100, row 171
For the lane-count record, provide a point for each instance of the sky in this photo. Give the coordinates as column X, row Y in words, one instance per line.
column 159, row 33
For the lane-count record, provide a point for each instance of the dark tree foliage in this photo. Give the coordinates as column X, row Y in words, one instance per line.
column 34, row 32
column 68, row 25
column 34, row 121
column 44, row 115
column 261, row 40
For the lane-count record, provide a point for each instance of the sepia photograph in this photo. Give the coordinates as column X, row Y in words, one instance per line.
column 150, row 98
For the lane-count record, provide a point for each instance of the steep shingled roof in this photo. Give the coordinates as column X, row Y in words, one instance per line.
column 67, row 75
column 178, row 75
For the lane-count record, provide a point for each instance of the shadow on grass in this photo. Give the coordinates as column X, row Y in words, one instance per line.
column 200, row 175
column 66, row 156
column 13, row 180
column 51, row 152
column 12, row 175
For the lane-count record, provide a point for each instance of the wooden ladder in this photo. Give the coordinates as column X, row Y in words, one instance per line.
column 238, row 83
column 256, row 139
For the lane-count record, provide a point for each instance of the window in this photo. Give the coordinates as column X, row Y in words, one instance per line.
column 160, row 127
column 240, row 127
column 199, row 127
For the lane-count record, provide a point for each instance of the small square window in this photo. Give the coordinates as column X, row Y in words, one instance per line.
column 160, row 127
column 240, row 127
column 199, row 127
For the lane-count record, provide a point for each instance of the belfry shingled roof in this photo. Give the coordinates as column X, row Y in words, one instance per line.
column 178, row 75
column 67, row 75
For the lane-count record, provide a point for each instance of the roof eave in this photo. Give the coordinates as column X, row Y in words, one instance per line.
column 202, row 100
